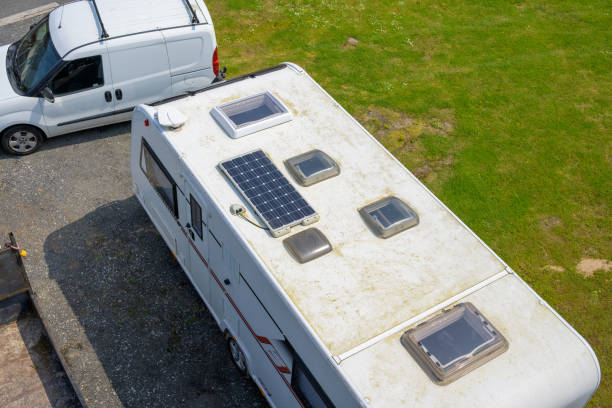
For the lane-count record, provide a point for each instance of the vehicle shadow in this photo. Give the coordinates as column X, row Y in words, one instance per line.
column 44, row 360
column 156, row 341
column 83, row 136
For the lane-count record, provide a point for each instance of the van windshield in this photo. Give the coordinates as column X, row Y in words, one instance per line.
column 35, row 57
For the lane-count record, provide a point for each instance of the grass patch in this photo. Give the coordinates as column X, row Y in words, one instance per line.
column 501, row 108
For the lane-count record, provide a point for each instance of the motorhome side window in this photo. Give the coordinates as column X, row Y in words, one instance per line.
column 159, row 177
column 196, row 216
column 78, row 75
column 307, row 388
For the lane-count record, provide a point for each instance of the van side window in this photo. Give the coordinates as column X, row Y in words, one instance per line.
column 196, row 216
column 78, row 75
column 159, row 177
column 306, row 387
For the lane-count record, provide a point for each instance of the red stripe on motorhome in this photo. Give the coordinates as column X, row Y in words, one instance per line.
column 260, row 339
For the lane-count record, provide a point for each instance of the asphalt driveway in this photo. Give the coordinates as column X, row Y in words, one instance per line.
column 127, row 320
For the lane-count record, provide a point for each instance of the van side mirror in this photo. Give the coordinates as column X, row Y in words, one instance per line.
column 48, row 95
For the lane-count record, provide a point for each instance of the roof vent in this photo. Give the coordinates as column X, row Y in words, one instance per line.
column 307, row 245
column 311, row 167
column 251, row 114
column 170, row 117
column 389, row 216
column 453, row 343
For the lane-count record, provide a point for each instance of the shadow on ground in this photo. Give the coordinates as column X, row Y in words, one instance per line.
column 158, row 344
column 56, row 384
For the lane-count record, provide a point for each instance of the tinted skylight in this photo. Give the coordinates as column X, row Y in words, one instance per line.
column 312, row 167
column 389, row 216
column 453, row 343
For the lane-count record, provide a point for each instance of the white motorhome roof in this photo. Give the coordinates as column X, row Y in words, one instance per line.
column 367, row 285
column 76, row 23
column 362, row 296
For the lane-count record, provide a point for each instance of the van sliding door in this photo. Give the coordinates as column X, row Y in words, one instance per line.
column 140, row 70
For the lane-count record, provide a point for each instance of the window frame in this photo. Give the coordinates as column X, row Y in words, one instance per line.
column 199, row 229
column 174, row 208
column 49, row 83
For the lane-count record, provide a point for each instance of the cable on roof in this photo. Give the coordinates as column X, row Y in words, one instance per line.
column 240, row 211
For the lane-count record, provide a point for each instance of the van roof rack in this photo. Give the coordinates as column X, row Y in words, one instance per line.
column 194, row 17
column 104, row 33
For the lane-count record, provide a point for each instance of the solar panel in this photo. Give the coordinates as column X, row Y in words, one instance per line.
column 265, row 188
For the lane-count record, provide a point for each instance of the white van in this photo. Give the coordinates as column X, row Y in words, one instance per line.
column 338, row 278
column 88, row 63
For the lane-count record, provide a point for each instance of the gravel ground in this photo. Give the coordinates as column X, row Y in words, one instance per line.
column 131, row 327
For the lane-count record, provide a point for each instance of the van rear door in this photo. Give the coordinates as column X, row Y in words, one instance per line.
column 140, row 69
column 190, row 52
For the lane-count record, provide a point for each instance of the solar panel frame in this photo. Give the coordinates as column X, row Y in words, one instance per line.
column 274, row 199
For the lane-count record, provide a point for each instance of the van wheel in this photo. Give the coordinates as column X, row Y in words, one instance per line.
column 21, row 140
column 237, row 355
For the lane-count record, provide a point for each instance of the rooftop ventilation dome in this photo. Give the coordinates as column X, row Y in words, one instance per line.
column 312, row 167
column 389, row 216
column 307, row 245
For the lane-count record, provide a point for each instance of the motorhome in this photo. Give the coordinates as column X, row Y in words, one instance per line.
column 338, row 278
column 88, row 63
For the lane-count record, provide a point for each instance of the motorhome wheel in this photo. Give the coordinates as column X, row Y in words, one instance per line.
column 237, row 355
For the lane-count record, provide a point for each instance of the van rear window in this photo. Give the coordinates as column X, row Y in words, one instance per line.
column 159, row 177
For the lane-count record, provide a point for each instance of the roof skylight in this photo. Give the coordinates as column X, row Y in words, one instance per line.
column 389, row 216
column 251, row 114
column 454, row 343
column 311, row 167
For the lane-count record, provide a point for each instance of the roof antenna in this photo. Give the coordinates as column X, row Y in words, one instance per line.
column 61, row 17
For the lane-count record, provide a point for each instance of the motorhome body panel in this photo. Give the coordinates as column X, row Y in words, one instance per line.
column 233, row 284
column 545, row 366
column 365, row 285
column 360, row 296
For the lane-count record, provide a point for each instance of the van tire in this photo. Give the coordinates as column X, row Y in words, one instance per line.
column 237, row 355
column 21, row 140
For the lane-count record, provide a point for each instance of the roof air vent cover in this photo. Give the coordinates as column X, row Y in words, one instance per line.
column 251, row 114
column 453, row 343
column 389, row 216
column 307, row 245
column 311, row 167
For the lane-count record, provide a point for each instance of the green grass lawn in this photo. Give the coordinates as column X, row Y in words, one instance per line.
column 501, row 108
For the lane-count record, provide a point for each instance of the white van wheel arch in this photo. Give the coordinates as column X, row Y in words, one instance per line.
column 21, row 139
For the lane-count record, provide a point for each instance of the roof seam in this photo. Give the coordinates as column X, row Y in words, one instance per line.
column 421, row 316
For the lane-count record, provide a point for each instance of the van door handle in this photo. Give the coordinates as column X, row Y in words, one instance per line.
column 108, row 96
column 118, row 94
